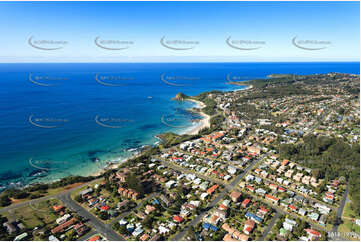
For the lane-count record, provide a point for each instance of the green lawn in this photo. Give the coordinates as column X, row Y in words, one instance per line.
column 348, row 212
column 36, row 214
column 347, row 227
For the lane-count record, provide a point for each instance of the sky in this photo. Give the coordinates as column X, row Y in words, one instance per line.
column 179, row 31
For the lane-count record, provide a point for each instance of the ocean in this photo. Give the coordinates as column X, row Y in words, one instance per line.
column 71, row 119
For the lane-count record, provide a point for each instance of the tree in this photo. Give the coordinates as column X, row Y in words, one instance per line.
column 148, row 221
column 104, row 215
column 191, row 233
column 5, row 201
column 133, row 183
column 78, row 198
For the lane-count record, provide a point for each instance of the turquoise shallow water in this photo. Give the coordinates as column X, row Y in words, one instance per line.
column 62, row 119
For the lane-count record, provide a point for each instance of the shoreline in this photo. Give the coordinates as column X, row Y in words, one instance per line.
column 203, row 123
column 193, row 130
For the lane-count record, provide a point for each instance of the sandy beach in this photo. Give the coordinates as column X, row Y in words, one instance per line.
column 204, row 123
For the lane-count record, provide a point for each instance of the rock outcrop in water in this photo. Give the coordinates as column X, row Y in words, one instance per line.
column 180, row 97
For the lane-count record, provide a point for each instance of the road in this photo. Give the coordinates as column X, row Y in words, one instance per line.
column 99, row 226
column 219, row 197
column 87, row 236
column 270, row 226
column 49, row 197
column 339, row 214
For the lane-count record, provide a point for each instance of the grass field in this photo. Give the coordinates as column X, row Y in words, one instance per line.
column 35, row 214
column 349, row 230
column 349, row 227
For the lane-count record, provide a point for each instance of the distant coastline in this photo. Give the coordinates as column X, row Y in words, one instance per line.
column 92, row 148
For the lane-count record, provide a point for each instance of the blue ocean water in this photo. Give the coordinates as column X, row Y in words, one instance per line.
column 71, row 119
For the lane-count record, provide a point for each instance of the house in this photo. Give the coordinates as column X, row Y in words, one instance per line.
column 226, row 203
column 63, row 226
column 314, row 216
column 121, row 176
column 86, row 191
column 122, row 204
column 285, row 162
column 262, row 211
column 322, row 220
column 138, row 231
column 283, row 233
column 248, row 226
column 144, row 237
column 235, row 196
column 249, row 178
column 273, row 186
column 104, row 208
column 227, row 228
column 323, row 209
column 299, row 198
column 204, row 185
column 62, row 219
column 298, row 177
column 239, row 236
column 281, row 189
column 163, row 230
column 53, row 238
column 264, row 174
column 306, row 180
column 313, row 234
column 245, row 202
column 10, row 227
column 204, row 196
column 141, row 215
column 254, row 217
column 228, row 237
column 258, row 180
column 57, row 208
column 272, row 198
column 165, row 200
column 195, row 203
column 288, row 224
column 220, row 213
column 177, row 219
column 232, row 170
column 80, row 229
column 212, row 189
column 170, row 184
column 293, row 208
column 292, row 164
column 251, row 188
column 260, row 191
column 302, row 212
column 289, row 173
column 149, row 209
column 94, row 238
column 227, row 177
column 208, row 226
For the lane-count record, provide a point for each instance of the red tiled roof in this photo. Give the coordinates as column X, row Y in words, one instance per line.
column 94, row 238
column 313, row 232
column 177, row 219
column 104, row 208
column 212, row 189
column 245, row 202
column 62, row 226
